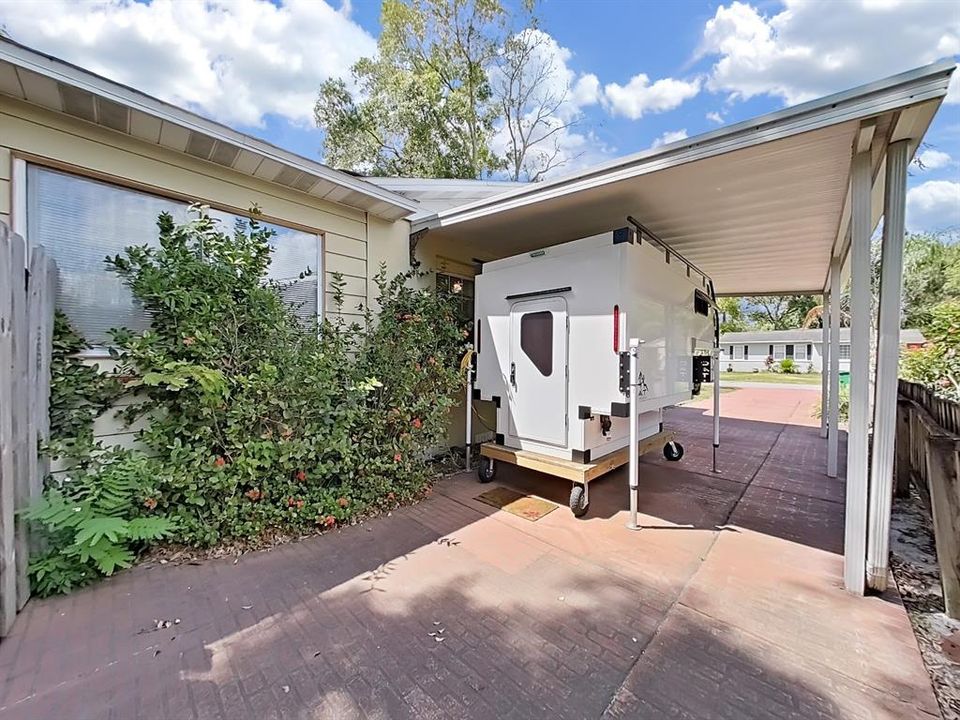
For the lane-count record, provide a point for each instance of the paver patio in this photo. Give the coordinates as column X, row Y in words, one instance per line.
column 728, row 604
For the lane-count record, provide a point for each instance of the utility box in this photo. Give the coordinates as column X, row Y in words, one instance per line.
column 551, row 338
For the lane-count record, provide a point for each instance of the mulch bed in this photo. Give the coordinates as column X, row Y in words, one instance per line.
column 913, row 559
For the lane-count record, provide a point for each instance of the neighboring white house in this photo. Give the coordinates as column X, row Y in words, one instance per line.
column 748, row 351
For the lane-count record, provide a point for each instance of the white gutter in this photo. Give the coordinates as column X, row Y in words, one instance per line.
column 73, row 75
column 899, row 91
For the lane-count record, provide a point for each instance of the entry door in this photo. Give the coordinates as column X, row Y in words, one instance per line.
column 537, row 384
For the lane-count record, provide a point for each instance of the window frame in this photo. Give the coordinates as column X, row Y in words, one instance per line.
column 20, row 163
column 779, row 351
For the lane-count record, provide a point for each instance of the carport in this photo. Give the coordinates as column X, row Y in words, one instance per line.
column 785, row 203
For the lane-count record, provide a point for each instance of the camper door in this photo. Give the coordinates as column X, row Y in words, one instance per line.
column 537, row 385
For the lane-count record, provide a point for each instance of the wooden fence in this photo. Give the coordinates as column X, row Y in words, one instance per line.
column 27, row 292
column 928, row 454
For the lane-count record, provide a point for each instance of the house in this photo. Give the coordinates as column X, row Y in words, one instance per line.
column 749, row 351
column 782, row 203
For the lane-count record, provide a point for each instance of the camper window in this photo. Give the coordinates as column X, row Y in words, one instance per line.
column 701, row 305
column 536, row 340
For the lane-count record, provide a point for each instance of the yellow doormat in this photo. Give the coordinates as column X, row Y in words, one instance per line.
column 525, row 506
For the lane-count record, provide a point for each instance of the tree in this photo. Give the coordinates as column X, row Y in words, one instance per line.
column 449, row 75
column 426, row 106
column 937, row 365
column 731, row 315
column 779, row 312
column 931, row 274
column 533, row 97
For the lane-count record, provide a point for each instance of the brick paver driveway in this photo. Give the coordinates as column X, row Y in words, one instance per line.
column 726, row 605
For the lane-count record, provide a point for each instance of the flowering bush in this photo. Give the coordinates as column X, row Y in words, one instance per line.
column 258, row 421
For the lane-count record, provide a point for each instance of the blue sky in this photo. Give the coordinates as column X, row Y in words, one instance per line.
column 639, row 72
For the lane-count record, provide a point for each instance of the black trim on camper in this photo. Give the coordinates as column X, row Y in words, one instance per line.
column 498, row 439
column 476, row 394
column 583, row 412
column 624, row 235
column 538, row 293
column 619, row 409
column 580, row 456
column 496, row 400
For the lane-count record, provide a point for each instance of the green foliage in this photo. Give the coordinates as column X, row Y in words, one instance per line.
column 787, row 366
column 844, row 405
column 424, row 106
column 79, row 393
column 931, row 274
column 731, row 315
column 254, row 422
column 938, row 364
column 262, row 423
column 95, row 521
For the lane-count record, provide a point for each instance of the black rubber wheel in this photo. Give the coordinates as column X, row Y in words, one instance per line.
column 486, row 470
column 673, row 451
column 578, row 504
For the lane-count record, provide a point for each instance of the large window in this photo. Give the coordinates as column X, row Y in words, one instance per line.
column 81, row 221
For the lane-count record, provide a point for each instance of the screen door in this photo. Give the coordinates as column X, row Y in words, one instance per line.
column 537, row 384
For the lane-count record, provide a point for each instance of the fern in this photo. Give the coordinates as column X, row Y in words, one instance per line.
column 93, row 521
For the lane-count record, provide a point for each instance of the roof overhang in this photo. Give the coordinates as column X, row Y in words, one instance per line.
column 51, row 83
column 761, row 206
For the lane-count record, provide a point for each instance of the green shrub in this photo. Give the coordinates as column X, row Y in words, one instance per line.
column 787, row 366
column 256, row 421
column 844, row 405
column 937, row 365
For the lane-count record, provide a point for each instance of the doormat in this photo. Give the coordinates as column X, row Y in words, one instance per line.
column 525, row 506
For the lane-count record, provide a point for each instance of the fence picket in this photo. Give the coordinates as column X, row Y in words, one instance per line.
column 8, row 574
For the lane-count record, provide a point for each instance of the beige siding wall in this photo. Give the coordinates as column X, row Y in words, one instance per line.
column 40, row 136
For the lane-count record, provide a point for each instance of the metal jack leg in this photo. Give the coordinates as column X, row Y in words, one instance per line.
column 634, row 466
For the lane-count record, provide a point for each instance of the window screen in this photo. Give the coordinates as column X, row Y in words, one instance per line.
column 779, row 352
column 536, row 340
column 738, row 352
column 80, row 221
column 844, row 352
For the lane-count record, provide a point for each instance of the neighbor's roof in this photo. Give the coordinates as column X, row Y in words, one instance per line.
column 49, row 82
column 907, row 336
column 436, row 194
column 761, row 206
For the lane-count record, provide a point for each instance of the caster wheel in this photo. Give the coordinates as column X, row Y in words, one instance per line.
column 578, row 504
column 486, row 470
column 673, row 451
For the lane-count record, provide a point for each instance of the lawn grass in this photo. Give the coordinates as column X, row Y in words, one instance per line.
column 770, row 377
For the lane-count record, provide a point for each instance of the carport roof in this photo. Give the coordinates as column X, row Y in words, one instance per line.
column 761, row 206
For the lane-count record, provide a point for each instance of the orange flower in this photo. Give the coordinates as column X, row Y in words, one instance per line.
column 398, row 457
column 150, row 503
column 329, row 521
column 189, row 340
column 417, row 423
column 301, row 475
column 300, row 504
column 254, row 494
column 219, row 462
column 343, row 502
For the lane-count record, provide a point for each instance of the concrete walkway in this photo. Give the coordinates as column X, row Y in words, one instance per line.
column 726, row 605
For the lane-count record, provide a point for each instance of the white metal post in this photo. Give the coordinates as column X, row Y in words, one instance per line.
column 855, row 526
column 716, row 405
column 825, row 365
column 888, row 352
column 634, row 465
column 469, row 422
column 833, row 389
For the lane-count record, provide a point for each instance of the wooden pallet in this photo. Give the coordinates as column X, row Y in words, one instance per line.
column 568, row 469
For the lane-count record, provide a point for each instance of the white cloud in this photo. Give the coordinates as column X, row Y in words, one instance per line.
column 933, row 205
column 808, row 50
column 934, row 159
column 640, row 96
column 715, row 117
column 233, row 61
column 669, row 137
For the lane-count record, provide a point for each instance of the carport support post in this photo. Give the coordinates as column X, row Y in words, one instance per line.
column 833, row 388
column 855, row 525
column 634, row 465
column 824, row 364
column 888, row 351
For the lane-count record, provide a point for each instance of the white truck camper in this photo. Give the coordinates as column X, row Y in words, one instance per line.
column 553, row 335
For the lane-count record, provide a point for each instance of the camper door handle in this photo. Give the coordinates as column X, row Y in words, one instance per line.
column 513, row 375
